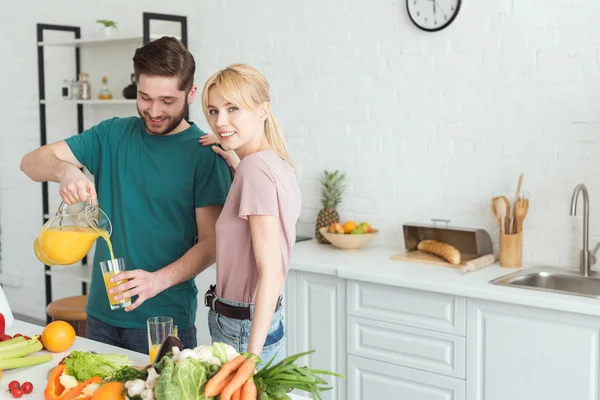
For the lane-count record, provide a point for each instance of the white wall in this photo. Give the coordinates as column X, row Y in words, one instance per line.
column 426, row 125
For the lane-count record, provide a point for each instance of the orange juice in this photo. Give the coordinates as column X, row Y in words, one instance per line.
column 154, row 352
column 109, row 285
column 65, row 245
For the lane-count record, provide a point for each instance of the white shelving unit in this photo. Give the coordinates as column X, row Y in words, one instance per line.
column 92, row 101
column 99, row 40
column 82, row 271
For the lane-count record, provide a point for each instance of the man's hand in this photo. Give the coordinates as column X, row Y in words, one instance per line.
column 230, row 157
column 76, row 187
column 138, row 282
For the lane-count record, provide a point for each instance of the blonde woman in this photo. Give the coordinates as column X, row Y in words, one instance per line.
column 257, row 228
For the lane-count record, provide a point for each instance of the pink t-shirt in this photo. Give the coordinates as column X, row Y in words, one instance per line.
column 263, row 184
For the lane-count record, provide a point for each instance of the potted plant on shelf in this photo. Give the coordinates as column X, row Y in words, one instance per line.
column 108, row 26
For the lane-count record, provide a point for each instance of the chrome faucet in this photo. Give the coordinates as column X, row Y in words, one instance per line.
column 586, row 259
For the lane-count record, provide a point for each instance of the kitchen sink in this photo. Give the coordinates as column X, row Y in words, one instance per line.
column 550, row 279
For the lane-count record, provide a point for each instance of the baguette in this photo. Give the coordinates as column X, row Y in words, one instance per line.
column 447, row 252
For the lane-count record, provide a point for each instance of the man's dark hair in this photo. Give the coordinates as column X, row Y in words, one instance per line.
column 167, row 57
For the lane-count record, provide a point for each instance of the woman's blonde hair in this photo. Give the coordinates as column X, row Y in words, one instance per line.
column 244, row 86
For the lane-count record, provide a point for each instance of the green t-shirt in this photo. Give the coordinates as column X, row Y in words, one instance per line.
column 149, row 187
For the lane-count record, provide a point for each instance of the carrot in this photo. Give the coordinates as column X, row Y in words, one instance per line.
column 248, row 390
column 241, row 376
column 218, row 387
column 216, row 382
column 237, row 394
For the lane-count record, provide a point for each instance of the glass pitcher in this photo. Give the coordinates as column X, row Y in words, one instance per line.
column 68, row 236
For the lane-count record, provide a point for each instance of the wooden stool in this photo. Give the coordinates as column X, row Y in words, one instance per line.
column 71, row 310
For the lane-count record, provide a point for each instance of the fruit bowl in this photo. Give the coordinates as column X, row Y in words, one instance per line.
column 348, row 241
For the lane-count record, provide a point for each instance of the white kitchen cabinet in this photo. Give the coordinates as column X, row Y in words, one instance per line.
column 435, row 352
column 523, row 353
column 375, row 380
column 318, row 304
column 421, row 309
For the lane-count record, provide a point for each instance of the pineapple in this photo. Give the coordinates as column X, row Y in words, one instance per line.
column 331, row 195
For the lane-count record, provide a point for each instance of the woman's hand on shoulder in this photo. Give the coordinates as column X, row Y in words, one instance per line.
column 230, row 157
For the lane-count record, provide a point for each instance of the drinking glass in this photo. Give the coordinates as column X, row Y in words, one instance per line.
column 158, row 330
column 109, row 269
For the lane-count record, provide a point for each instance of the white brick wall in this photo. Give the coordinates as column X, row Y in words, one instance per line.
column 426, row 125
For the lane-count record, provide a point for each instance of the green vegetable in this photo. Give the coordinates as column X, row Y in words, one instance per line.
column 274, row 382
column 128, row 373
column 184, row 380
column 11, row 342
column 30, row 346
column 20, row 362
column 85, row 365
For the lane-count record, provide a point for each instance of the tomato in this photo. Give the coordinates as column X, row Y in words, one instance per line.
column 27, row 387
column 16, row 392
column 13, row 383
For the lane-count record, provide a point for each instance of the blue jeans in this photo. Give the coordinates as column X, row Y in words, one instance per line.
column 236, row 332
column 132, row 339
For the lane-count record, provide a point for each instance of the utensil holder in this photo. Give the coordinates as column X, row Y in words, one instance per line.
column 511, row 250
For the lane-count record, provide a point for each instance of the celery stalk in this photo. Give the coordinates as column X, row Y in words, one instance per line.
column 19, row 362
column 10, row 342
column 13, row 346
column 33, row 345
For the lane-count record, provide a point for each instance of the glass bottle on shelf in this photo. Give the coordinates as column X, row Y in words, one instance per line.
column 84, row 88
column 73, row 90
column 105, row 93
column 65, row 89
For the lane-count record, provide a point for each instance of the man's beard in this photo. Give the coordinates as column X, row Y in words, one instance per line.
column 173, row 122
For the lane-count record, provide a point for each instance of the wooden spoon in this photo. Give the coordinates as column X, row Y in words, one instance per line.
column 502, row 208
column 512, row 228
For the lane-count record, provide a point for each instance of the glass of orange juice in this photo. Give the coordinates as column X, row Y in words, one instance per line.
column 111, row 268
column 158, row 330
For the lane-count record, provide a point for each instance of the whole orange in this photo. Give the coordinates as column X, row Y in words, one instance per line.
column 349, row 226
column 58, row 336
column 110, row 391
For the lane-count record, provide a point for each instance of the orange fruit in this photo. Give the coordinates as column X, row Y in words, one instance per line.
column 110, row 391
column 349, row 226
column 58, row 336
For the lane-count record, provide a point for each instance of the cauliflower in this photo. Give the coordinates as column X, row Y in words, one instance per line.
column 151, row 379
column 135, row 387
column 147, row 394
column 205, row 354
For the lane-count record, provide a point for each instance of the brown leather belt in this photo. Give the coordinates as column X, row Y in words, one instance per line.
column 227, row 310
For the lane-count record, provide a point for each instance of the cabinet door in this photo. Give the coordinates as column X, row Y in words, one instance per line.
column 370, row 380
column 524, row 353
column 320, row 325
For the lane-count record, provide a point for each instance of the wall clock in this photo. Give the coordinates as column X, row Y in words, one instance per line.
column 432, row 15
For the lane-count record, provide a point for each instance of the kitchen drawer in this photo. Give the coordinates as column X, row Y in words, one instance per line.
column 416, row 308
column 440, row 353
column 370, row 380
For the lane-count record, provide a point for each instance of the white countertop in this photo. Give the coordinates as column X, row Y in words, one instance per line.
column 373, row 264
column 38, row 374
